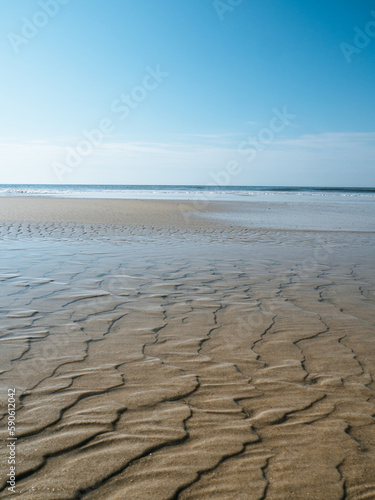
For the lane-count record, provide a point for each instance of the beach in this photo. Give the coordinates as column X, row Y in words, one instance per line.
column 166, row 349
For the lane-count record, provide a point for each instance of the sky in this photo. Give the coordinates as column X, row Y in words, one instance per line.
column 210, row 92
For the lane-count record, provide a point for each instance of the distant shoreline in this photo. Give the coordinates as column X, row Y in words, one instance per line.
column 163, row 191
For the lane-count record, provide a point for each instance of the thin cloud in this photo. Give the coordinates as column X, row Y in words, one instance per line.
column 326, row 158
column 328, row 141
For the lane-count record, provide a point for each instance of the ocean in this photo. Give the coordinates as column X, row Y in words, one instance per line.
column 215, row 193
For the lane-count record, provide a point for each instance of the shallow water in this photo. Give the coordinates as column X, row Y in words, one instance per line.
column 162, row 364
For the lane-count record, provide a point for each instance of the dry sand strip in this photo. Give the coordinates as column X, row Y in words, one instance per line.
column 111, row 211
column 171, row 359
column 312, row 215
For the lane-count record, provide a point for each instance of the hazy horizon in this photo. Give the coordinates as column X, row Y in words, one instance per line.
column 218, row 186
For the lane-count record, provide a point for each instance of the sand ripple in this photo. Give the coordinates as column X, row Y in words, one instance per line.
column 195, row 370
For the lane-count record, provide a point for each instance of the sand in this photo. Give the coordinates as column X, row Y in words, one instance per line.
column 313, row 214
column 160, row 354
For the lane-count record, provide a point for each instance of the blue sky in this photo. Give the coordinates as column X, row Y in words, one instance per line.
column 188, row 92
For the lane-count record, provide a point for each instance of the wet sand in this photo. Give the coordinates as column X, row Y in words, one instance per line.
column 160, row 354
